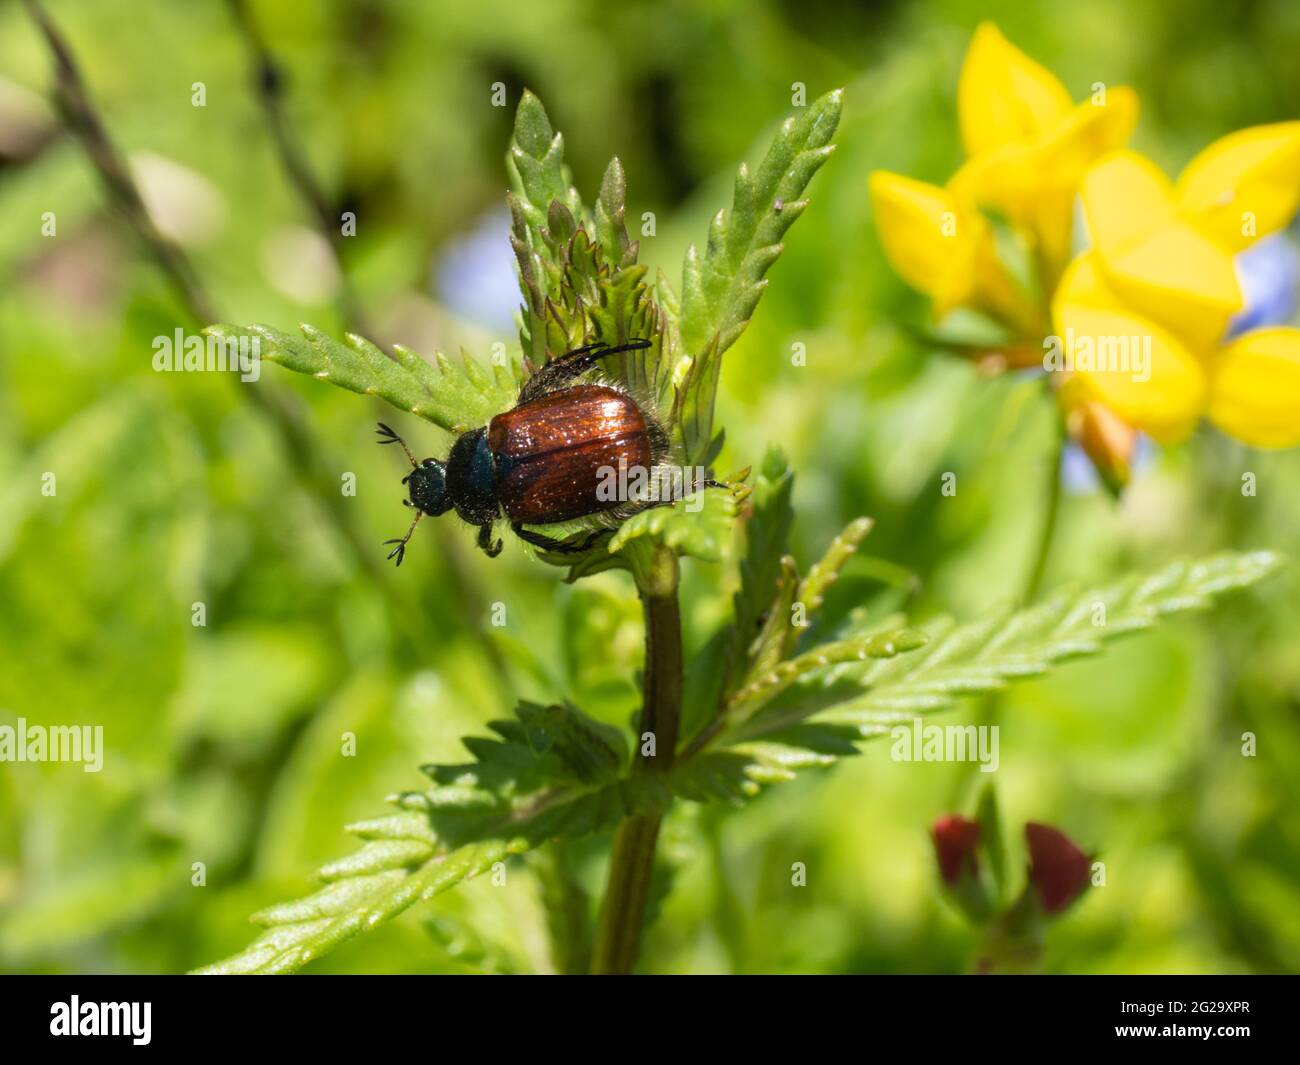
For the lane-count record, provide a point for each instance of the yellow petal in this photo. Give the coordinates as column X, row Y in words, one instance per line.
column 1091, row 130
column 1244, row 185
column 1003, row 96
column 1161, row 265
column 929, row 240
column 1141, row 371
column 1002, row 179
column 1125, row 196
column 1180, row 278
column 1034, row 184
column 1255, row 393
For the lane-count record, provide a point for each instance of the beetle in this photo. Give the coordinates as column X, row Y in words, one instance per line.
column 543, row 461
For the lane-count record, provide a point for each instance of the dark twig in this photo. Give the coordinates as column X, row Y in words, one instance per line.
column 72, row 98
column 269, row 81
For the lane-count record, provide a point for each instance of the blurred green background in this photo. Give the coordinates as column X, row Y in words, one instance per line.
column 223, row 742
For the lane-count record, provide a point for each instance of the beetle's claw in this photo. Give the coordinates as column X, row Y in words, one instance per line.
column 399, row 550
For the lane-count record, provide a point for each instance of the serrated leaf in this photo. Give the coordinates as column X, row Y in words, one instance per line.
column 819, row 710
column 721, row 288
column 698, row 525
column 767, row 537
column 723, row 662
column 776, row 638
column 826, row 571
column 536, row 165
column 766, row 687
column 611, row 217
column 552, row 772
column 986, row 655
column 302, row 931
column 453, row 397
column 542, row 746
column 577, row 270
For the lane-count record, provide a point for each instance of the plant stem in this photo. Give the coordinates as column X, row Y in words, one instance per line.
column 631, row 862
column 1047, row 531
column 308, row 465
column 269, row 81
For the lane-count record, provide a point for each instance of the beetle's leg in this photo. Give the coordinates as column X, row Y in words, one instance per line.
column 566, row 367
column 388, row 436
column 485, row 542
column 400, row 549
column 549, row 543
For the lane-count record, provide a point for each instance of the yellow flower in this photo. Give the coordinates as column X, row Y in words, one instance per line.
column 1159, row 281
column 940, row 246
column 1142, row 316
column 1029, row 145
column 1028, row 148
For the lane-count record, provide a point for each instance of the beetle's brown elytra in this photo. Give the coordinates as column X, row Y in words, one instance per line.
column 550, row 452
column 542, row 461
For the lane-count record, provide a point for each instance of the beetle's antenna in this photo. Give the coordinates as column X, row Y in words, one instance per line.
column 400, row 549
column 631, row 345
column 387, row 436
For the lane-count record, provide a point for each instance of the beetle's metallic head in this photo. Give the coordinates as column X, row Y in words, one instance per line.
column 427, row 484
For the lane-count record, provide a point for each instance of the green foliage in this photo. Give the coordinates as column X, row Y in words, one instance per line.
column 721, row 288
column 580, row 282
column 698, row 525
column 552, row 772
column 382, row 881
column 819, row 705
column 579, row 277
column 454, row 397
column 221, row 741
column 578, row 271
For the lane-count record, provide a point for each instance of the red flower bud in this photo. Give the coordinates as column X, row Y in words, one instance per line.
column 955, row 838
column 1057, row 868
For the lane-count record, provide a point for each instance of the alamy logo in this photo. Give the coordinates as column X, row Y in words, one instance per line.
column 1102, row 353
column 640, row 484
column 102, row 1018
column 918, row 742
column 181, row 353
column 55, row 743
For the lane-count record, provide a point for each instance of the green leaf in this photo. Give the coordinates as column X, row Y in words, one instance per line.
column 455, row 397
column 699, row 525
column 744, row 704
column 611, row 217
column 544, row 745
column 722, row 664
column 535, row 163
column 721, row 288
column 985, row 655
column 302, row 931
column 578, row 271
column 812, row 591
column 767, row 538
column 818, row 706
column 550, row 772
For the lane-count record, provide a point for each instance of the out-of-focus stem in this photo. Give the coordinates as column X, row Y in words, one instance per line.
column 269, row 81
column 1051, row 515
column 631, row 862
column 307, row 462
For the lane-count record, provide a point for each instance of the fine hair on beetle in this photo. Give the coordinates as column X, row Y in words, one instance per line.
column 549, row 459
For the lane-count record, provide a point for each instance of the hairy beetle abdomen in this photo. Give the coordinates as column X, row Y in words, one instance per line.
column 554, row 455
